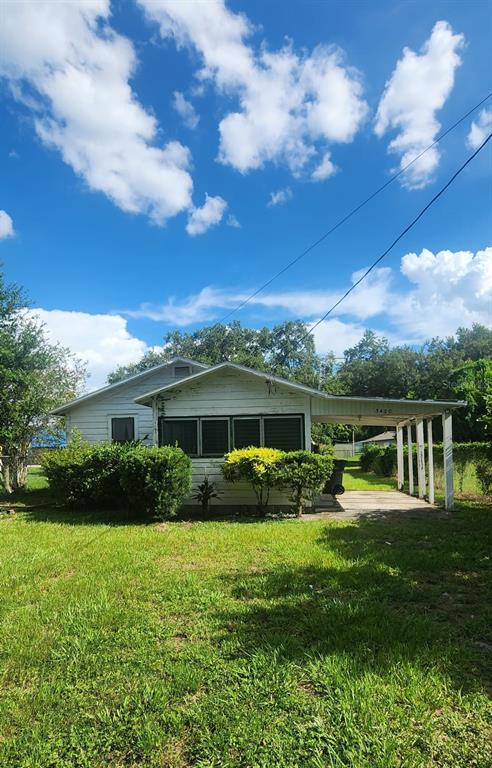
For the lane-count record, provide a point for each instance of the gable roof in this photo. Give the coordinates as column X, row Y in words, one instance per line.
column 390, row 435
column 146, row 398
column 102, row 390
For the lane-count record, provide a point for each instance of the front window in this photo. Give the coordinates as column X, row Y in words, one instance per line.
column 180, row 432
column 247, row 432
column 123, row 429
column 284, row 432
column 214, row 436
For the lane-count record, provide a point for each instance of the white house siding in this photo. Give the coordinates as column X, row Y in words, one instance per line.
column 92, row 418
column 233, row 393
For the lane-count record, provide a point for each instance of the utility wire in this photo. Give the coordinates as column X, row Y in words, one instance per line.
column 351, row 213
column 397, row 239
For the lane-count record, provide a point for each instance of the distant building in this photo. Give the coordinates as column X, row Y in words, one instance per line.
column 383, row 439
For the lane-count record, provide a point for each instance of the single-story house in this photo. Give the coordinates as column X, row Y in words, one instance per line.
column 209, row 410
column 383, row 439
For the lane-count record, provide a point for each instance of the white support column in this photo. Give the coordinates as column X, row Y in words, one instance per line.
column 399, row 458
column 410, row 459
column 447, row 446
column 420, row 458
column 430, row 460
column 155, row 422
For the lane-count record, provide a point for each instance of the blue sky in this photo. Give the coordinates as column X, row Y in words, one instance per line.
column 160, row 160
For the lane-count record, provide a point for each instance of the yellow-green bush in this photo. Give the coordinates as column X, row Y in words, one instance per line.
column 255, row 465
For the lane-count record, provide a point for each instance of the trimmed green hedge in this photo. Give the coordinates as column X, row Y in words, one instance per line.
column 113, row 476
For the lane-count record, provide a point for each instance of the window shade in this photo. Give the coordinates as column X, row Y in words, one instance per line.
column 181, row 432
column 123, row 429
column 215, row 437
column 283, row 433
column 246, row 433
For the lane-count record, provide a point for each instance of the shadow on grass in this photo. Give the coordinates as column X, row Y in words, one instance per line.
column 419, row 592
column 50, row 513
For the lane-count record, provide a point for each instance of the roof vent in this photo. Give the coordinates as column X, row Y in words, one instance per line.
column 182, row 371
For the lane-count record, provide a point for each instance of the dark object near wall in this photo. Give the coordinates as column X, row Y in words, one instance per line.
column 334, row 486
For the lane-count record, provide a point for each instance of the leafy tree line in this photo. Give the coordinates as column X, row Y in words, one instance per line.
column 456, row 367
column 35, row 377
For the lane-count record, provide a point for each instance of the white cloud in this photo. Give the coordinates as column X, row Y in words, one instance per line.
column 280, row 197
column 233, row 221
column 368, row 300
column 451, row 289
column 416, row 91
column 79, row 70
column 185, row 110
column 194, row 309
column 480, row 130
column 325, row 169
column 210, row 214
column 102, row 340
column 6, row 225
column 290, row 104
column 338, row 335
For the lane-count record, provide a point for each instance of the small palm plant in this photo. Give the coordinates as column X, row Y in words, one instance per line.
column 205, row 492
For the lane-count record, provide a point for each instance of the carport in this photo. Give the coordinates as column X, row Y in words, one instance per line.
column 413, row 421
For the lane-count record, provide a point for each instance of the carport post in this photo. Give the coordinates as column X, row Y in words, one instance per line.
column 410, row 459
column 399, row 458
column 430, row 460
column 420, row 458
column 447, row 447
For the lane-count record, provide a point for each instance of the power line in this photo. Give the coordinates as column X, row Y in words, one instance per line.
column 397, row 239
column 351, row 213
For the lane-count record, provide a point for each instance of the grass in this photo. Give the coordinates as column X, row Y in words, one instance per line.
column 248, row 644
column 354, row 479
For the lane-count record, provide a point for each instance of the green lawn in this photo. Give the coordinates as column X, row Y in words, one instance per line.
column 354, row 479
column 246, row 644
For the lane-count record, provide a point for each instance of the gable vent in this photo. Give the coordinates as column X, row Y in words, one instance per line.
column 181, row 371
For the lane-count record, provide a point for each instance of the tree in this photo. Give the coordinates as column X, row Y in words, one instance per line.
column 473, row 383
column 149, row 360
column 283, row 350
column 35, row 377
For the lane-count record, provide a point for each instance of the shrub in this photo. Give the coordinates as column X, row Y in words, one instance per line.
column 155, row 480
column 304, row 473
column 385, row 462
column 256, row 466
column 112, row 475
column 204, row 493
column 368, row 456
column 85, row 474
column 483, row 471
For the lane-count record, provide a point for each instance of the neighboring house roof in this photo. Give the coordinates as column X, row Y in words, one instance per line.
column 48, row 440
column 147, row 398
column 384, row 436
column 73, row 403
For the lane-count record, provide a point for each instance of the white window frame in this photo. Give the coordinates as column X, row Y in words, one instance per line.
column 112, row 416
column 214, row 418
